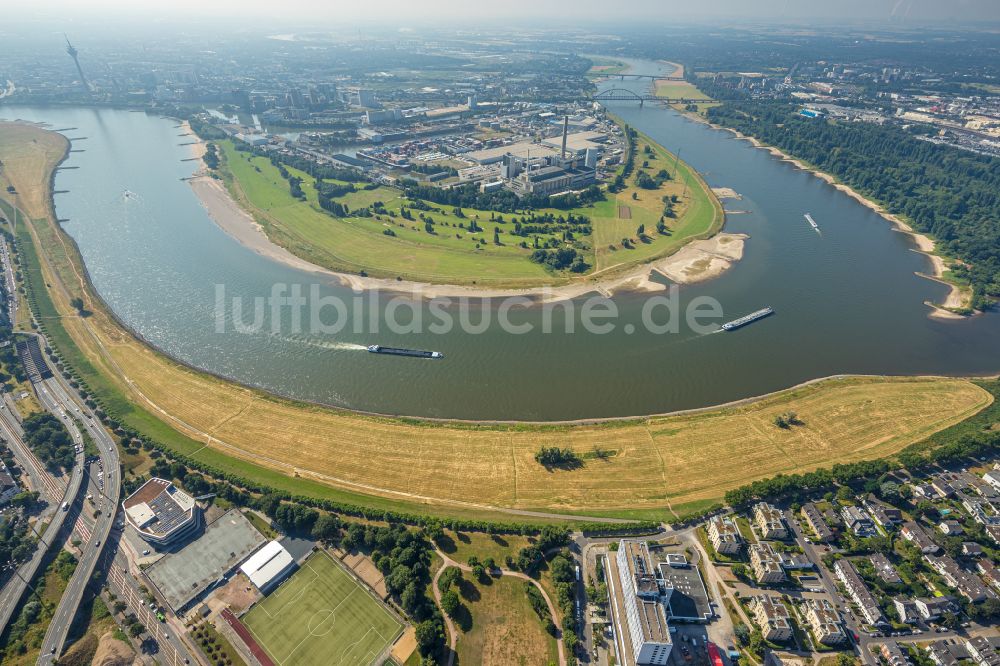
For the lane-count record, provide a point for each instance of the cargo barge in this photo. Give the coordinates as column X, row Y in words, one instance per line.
column 747, row 319
column 395, row 351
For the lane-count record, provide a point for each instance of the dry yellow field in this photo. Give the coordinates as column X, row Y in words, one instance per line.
column 657, row 461
column 505, row 629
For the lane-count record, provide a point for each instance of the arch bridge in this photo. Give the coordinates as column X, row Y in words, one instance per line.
column 625, row 95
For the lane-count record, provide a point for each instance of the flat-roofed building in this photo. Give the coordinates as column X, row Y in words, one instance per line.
column 521, row 149
column 772, row 617
column 769, row 521
column 161, row 513
column 766, row 564
column 824, row 621
column 724, row 534
column 268, row 566
column 643, row 604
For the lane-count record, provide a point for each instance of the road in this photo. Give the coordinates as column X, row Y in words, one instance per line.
column 58, row 496
column 172, row 649
column 69, row 404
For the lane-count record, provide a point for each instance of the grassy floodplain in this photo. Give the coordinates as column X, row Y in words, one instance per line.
column 602, row 67
column 657, row 464
column 452, row 255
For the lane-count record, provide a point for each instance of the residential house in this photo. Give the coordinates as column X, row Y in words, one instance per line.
column 968, row 585
column 886, row 515
column 983, row 651
column 924, row 491
column 932, row 608
column 942, row 654
column 765, row 562
column 885, row 570
column 988, row 572
column 772, row 617
column 824, row 621
column 724, row 535
column 971, row 549
column 942, row 486
column 856, row 520
column 992, row 477
column 951, row 527
column 892, row 654
column 918, row 536
column 773, row 658
column 769, row 521
column 906, row 609
column 981, row 511
column 814, row 519
column 795, row 561
column 859, row 592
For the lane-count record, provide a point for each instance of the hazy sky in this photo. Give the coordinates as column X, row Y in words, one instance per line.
column 569, row 11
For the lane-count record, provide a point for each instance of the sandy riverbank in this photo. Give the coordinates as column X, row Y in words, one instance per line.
column 925, row 245
column 696, row 262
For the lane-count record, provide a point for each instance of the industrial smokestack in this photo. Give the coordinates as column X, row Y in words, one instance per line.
column 565, row 131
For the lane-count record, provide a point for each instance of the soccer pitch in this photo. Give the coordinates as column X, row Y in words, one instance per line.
column 322, row 616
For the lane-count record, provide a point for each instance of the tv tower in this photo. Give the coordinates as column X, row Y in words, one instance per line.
column 71, row 50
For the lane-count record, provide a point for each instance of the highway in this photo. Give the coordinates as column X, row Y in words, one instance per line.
column 64, row 402
column 67, row 402
column 48, row 487
column 12, row 592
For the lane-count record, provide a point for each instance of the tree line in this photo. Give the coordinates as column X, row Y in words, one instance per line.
column 949, row 193
column 502, row 200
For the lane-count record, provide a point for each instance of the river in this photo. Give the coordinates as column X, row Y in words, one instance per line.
column 846, row 300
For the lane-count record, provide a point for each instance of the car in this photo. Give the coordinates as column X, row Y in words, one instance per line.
column 146, row 552
column 97, row 543
column 65, row 506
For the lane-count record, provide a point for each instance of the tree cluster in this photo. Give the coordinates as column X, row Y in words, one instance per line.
column 553, row 456
column 561, row 259
column 403, row 556
column 49, row 439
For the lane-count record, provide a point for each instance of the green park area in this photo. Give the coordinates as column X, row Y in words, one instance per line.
column 657, row 204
